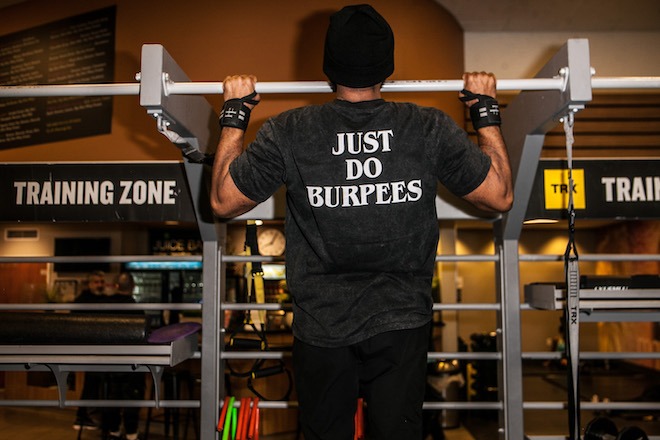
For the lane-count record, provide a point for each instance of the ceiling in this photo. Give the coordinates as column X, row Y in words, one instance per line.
column 555, row 15
column 545, row 15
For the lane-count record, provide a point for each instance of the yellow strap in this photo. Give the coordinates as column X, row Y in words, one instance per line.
column 259, row 290
column 248, row 276
column 260, row 295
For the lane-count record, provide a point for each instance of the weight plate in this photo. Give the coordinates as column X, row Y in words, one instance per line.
column 632, row 433
column 598, row 428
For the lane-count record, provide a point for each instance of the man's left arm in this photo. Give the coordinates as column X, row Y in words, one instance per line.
column 495, row 193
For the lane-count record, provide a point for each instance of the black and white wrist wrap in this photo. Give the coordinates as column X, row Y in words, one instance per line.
column 483, row 113
column 235, row 113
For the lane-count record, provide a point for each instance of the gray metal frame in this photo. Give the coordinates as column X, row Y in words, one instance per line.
column 526, row 121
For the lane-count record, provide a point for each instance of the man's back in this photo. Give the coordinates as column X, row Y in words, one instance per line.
column 361, row 181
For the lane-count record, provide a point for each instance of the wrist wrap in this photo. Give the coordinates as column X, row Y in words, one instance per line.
column 235, row 113
column 483, row 113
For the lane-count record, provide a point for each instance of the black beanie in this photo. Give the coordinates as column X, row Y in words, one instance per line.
column 359, row 47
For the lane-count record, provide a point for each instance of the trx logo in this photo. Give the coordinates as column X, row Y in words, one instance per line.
column 555, row 188
column 631, row 189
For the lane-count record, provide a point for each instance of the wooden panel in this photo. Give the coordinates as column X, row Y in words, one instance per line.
column 604, row 140
column 585, row 127
column 612, row 125
column 604, row 112
column 600, row 153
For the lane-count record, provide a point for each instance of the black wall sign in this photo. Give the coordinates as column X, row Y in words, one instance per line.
column 108, row 192
column 77, row 50
column 604, row 189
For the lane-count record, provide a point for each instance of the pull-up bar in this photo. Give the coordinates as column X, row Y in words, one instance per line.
column 530, row 84
column 214, row 88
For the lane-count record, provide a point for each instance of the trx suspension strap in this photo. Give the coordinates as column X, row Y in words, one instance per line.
column 572, row 308
column 254, row 270
column 255, row 294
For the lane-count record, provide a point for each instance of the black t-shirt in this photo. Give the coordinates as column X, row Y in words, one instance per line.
column 361, row 225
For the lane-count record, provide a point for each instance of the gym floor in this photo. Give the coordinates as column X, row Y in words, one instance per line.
column 541, row 383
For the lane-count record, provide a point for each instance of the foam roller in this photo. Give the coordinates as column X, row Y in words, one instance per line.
column 31, row 328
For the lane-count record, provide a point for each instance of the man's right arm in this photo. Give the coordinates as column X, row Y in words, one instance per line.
column 227, row 200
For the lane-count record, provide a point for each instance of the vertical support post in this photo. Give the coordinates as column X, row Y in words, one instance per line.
column 212, row 382
column 448, row 295
column 525, row 122
column 509, row 339
column 213, row 235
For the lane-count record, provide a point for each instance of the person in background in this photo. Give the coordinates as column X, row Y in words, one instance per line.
column 87, row 417
column 361, row 175
column 123, row 386
column 95, row 288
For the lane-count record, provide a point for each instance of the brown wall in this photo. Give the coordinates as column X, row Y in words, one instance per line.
column 22, row 282
column 209, row 39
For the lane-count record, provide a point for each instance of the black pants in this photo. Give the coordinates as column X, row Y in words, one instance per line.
column 388, row 370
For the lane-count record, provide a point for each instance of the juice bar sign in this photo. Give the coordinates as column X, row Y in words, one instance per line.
column 95, row 192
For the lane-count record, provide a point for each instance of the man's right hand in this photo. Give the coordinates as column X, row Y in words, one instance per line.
column 240, row 86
